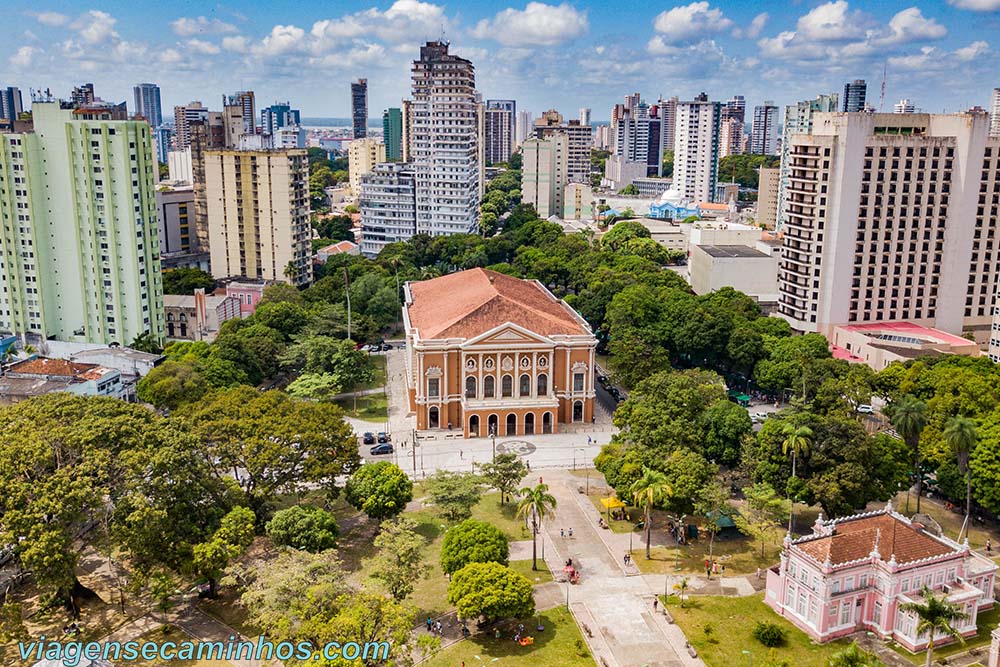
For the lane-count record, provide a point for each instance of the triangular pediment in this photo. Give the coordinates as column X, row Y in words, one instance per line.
column 507, row 334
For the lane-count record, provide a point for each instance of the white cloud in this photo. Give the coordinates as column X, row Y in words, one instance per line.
column 96, row 27
column 202, row 47
column 910, row 25
column 689, row 23
column 757, row 25
column 931, row 58
column 52, row 19
column 282, row 39
column 188, row 27
column 977, row 5
column 237, row 44
column 23, row 57
column 537, row 24
column 831, row 22
column 972, row 51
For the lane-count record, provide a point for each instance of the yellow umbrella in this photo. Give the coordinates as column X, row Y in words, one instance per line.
column 611, row 502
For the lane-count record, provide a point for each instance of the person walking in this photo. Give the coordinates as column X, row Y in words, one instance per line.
column 430, row 624
column 562, row 532
column 656, row 603
column 989, row 547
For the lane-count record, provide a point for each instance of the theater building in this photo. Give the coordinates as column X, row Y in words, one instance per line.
column 490, row 353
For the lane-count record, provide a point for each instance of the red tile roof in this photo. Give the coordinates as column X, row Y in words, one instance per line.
column 469, row 303
column 854, row 539
column 46, row 366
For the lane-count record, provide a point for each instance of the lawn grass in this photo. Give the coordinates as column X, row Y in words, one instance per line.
column 739, row 555
column 731, row 621
column 539, row 576
column 560, row 644
column 951, row 521
column 371, row 408
column 170, row 633
column 491, row 511
column 986, row 622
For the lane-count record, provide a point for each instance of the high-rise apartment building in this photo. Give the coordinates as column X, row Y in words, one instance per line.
column 640, row 137
column 359, row 109
column 175, row 217
column 10, row 103
column 730, row 136
column 362, row 156
column 892, row 217
column 584, row 115
column 441, row 130
column 735, row 107
column 392, row 133
column 905, row 105
column 854, row 95
column 525, row 126
column 995, row 113
column 668, row 115
column 79, row 228
column 183, row 117
column 206, row 133
column 545, row 173
column 83, row 94
column 696, row 148
column 258, row 214
column 388, row 205
column 580, row 140
column 798, row 120
column 767, row 196
column 764, row 134
column 239, row 116
column 498, row 130
column 163, row 137
column 406, row 145
column 277, row 116
column 147, row 103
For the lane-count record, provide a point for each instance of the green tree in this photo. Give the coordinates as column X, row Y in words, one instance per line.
column 764, row 509
column 454, row 493
column 285, row 317
column 491, row 591
column 172, row 384
column 646, row 492
column 796, row 443
column 908, row 416
column 745, row 168
column 473, row 541
column 629, row 189
column 504, row 473
column 536, row 502
column 380, row 490
column 398, row 563
column 622, row 233
column 303, row 527
column 185, row 281
column 711, row 504
column 960, row 435
column 232, row 538
column 935, row 617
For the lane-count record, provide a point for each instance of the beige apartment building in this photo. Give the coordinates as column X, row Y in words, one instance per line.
column 258, row 214
column 362, row 156
column 892, row 217
column 767, row 196
column 544, row 173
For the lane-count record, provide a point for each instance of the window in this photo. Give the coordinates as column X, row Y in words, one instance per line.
column 507, row 386
column 577, row 381
column 433, row 387
column 489, row 387
column 470, row 387
column 543, row 384
column 836, row 586
column 845, row 613
column 525, row 385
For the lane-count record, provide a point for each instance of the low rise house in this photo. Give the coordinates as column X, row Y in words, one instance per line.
column 340, row 248
column 198, row 316
column 853, row 574
column 41, row 375
column 878, row 344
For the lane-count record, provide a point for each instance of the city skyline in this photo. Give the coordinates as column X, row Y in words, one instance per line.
column 561, row 56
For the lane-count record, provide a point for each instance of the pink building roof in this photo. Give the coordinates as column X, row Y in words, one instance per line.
column 908, row 329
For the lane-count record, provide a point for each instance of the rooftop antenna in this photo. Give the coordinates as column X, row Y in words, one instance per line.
column 444, row 38
column 881, row 99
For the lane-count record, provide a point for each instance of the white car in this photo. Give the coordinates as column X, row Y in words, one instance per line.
column 865, row 409
column 758, row 417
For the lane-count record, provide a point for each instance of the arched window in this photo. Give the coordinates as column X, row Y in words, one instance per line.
column 529, row 423
column 470, row 386
column 525, row 388
column 493, row 425
column 474, row 426
column 433, row 418
column 489, row 386
column 511, row 424
column 543, row 385
column 507, row 386
column 578, row 411
column 547, row 422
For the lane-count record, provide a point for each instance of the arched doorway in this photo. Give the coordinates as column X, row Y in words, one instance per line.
column 547, row 422
column 474, row 426
column 578, row 411
column 433, row 418
column 529, row 423
column 493, row 425
column 511, row 424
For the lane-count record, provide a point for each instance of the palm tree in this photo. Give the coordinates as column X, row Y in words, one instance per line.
column 797, row 441
column 854, row 656
column 961, row 436
column 935, row 615
column 537, row 502
column 681, row 588
column 908, row 417
column 650, row 489
column 291, row 272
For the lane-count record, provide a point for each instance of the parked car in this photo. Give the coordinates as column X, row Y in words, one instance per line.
column 866, row 409
column 383, row 437
column 385, row 347
column 758, row 417
column 368, row 438
column 368, row 348
column 380, row 450
column 602, row 380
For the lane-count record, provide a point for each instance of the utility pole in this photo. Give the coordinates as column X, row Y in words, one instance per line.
column 347, row 290
column 415, row 454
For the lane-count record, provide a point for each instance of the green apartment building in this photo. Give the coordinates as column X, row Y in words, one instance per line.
column 79, row 254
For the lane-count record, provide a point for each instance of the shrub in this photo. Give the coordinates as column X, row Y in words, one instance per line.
column 303, row 527
column 769, row 634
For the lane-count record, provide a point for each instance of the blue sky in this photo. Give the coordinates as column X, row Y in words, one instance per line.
column 545, row 55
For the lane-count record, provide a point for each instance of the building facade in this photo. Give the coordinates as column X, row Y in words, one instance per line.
column 362, row 156
column 79, row 228
column 359, row 109
column 853, row 574
column 277, row 116
column 198, row 316
column 524, row 126
column 767, row 196
column 696, row 148
column 994, row 113
column 905, row 105
column 239, row 117
column 183, row 117
column 175, row 216
column 392, row 133
column 544, row 173
column 580, row 140
column 258, row 214
column 147, row 103
column 764, row 134
column 855, row 95
column 498, row 131
column 487, row 353
column 388, row 205
column 798, row 120
column 11, row 105
column 892, row 217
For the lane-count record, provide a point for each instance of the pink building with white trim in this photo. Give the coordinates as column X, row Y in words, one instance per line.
column 852, row 574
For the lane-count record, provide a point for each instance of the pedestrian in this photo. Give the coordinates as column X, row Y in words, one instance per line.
column 723, row 569
column 571, row 532
column 715, row 567
column 989, row 546
column 461, row 454
column 708, row 571
column 520, row 628
column 562, row 532
column 496, row 635
column 528, row 463
column 539, row 479
column 590, row 440
column 430, row 624
column 656, row 603
column 758, row 573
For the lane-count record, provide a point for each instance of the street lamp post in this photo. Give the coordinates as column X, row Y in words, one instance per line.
column 493, row 434
column 749, row 656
